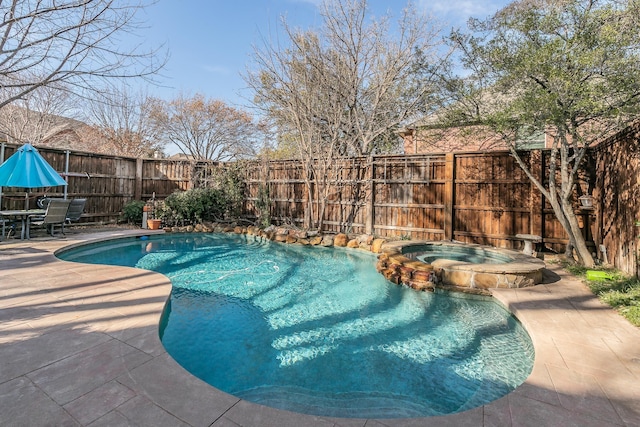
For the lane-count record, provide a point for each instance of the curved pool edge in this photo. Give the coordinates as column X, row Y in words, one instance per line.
column 159, row 384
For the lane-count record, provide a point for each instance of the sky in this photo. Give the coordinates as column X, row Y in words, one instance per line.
column 210, row 42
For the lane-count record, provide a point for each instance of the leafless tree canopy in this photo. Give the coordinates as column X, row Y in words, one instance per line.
column 121, row 124
column 69, row 43
column 346, row 87
column 206, row 129
column 38, row 118
column 350, row 83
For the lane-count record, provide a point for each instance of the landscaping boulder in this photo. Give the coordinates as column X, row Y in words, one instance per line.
column 341, row 240
column 376, row 245
column 327, row 240
column 352, row 244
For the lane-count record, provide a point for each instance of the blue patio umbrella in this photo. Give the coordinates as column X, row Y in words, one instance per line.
column 28, row 169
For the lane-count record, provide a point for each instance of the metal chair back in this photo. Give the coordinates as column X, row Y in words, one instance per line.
column 56, row 211
column 76, row 208
column 56, row 214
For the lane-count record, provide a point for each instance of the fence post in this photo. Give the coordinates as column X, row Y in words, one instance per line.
column 137, row 192
column 536, row 199
column 449, row 195
column 369, row 226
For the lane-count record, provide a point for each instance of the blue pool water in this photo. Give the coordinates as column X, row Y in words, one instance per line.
column 318, row 331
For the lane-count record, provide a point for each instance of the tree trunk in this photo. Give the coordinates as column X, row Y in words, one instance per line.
column 562, row 209
column 566, row 216
column 321, row 209
column 580, row 245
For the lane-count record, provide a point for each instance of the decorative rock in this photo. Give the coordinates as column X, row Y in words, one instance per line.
column 457, row 278
column 422, row 286
column 327, row 240
column 291, row 239
column 237, row 230
column 365, row 247
column 399, row 258
column 304, row 242
column 280, row 238
column 352, row 244
column 485, row 281
column 316, row 240
column 376, row 245
column 395, row 278
column 421, row 276
column 365, row 239
column 341, row 240
column 405, row 274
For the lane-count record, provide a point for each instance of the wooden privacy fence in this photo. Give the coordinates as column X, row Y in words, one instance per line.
column 480, row 198
column 107, row 182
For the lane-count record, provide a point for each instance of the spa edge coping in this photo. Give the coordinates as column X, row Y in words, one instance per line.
column 520, row 263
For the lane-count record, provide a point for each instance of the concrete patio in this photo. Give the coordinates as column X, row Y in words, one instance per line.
column 79, row 346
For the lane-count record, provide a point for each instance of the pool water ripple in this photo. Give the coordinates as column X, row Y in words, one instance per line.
column 319, row 331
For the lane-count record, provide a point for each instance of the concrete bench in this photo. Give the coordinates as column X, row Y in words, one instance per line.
column 529, row 240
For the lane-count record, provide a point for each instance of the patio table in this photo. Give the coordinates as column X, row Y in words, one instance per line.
column 24, row 215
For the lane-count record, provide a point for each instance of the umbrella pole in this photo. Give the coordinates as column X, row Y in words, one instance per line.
column 26, row 201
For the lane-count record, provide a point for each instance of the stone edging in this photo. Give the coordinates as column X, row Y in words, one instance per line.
column 521, row 271
column 289, row 235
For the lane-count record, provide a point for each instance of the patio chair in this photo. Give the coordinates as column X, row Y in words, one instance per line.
column 76, row 208
column 8, row 228
column 56, row 214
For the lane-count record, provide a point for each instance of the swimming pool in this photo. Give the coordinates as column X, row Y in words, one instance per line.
column 317, row 330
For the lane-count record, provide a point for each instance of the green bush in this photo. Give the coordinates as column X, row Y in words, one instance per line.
column 193, row 206
column 221, row 200
column 230, row 181
column 132, row 212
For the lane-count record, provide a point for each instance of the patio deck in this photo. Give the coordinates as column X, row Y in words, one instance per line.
column 79, row 346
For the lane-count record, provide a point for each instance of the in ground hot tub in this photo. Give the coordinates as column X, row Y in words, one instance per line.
column 427, row 265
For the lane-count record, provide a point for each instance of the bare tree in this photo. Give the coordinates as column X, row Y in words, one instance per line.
column 69, row 43
column 122, row 124
column 345, row 88
column 37, row 117
column 206, row 129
